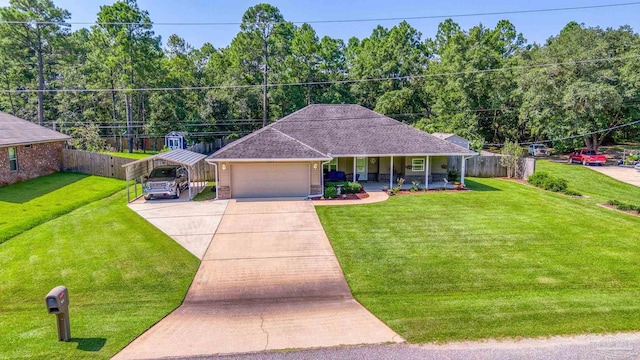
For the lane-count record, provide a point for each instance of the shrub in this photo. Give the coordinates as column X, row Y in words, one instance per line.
column 555, row 184
column 415, row 185
column 571, row 192
column 548, row 182
column 538, row 178
column 624, row 206
column 400, row 182
column 352, row 188
column 452, row 175
column 330, row 192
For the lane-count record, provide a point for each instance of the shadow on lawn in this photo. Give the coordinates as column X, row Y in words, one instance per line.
column 26, row 191
column 476, row 186
column 89, row 344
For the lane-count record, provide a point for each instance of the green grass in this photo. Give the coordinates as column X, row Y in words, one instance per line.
column 123, row 275
column 136, row 154
column 30, row 203
column 598, row 187
column 207, row 193
column 505, row 260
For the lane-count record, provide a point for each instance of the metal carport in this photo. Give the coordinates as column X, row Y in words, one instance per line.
column 194, row 162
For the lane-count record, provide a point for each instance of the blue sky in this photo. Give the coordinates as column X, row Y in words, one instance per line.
column 536, row 27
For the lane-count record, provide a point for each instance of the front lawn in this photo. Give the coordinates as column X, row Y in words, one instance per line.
column 505, row 260
column 598, row 187
column 30, row 203
column 123, row 275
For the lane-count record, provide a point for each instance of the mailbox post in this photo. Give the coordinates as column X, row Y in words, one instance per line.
column 57, row 301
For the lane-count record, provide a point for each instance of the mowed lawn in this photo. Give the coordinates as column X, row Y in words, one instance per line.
column 504, row 260
column 123, row 275
column 136, row 154
column 27, row 204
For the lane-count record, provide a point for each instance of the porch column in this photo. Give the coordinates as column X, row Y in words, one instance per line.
column 354, row 168
column 426, row 174
column 391, row 175
column 463, row 167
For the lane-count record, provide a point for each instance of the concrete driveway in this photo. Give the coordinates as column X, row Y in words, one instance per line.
column 624, row 174
column 269, row 280
column 190, row 223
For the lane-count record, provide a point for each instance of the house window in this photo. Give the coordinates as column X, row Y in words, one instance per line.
column 13, row 159
column 331, row 166
column 417, row 164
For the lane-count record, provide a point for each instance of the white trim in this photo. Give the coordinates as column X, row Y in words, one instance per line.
column 400, row 155
column 216, row 179
column 33, row 142
column 419, row 159
column 355, row 159
column 391, row 175
column 427, row 170
column 321, row 181
column 211, row 160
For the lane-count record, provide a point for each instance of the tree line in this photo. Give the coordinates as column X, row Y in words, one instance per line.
column 488, row 85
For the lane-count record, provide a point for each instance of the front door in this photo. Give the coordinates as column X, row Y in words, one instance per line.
column 362, row 168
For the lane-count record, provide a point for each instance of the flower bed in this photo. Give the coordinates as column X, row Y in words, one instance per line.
column 362, row 195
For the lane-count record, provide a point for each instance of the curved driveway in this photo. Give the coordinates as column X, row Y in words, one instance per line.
column 269, row 280
column 624, row 174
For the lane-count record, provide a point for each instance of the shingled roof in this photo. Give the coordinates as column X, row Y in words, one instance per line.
column 269, row 144
column 338, row 130
column 16, row 131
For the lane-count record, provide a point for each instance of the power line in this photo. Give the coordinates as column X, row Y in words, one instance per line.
column 574, row 136
column 426, row 17
column 404, row 77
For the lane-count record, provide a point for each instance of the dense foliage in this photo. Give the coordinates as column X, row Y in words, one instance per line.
column 485, row 84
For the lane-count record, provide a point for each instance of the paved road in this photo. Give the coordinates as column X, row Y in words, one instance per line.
column 269, row 280
column 582, row 347
column 624, row 174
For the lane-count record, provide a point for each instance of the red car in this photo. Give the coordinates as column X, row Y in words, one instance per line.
column 587, row 157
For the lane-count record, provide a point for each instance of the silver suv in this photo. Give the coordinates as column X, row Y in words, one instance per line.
column 165, row 181
column 538, row 150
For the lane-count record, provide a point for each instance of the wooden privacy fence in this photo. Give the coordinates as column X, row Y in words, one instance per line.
column 489, row 166
column 94, row 163
column 91, row 163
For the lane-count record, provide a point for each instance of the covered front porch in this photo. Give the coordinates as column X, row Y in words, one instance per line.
column 374, row 172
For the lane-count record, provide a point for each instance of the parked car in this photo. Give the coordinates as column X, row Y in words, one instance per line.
column 538, row 150
column 165, row 181
column 637, row 167
column 587, row 157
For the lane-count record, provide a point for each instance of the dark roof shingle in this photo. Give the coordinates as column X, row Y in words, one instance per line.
column 268, row 143
column 16, row 131
column 342, row 130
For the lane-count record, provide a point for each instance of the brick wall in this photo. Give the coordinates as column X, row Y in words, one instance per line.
column 33, row 161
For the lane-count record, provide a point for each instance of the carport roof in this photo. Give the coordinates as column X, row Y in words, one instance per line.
column 179, row 156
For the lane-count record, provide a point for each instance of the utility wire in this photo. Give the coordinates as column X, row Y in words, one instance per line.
column 426, row 17
column 637, row 121
column 405, row 77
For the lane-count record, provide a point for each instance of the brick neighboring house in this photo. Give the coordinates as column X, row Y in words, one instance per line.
column 28, row 150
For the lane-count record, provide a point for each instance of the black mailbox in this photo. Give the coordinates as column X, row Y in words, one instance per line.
column 57, row 301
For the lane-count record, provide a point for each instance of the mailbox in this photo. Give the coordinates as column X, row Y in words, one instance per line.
column 57, row 301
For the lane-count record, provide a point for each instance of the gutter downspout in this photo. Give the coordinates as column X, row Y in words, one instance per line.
column 321, row 181
column 216, row 178
column 463, row 166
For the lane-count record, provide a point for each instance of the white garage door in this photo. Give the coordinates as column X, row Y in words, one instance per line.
column 269, row 180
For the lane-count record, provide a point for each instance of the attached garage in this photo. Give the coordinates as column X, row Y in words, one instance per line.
column 270, row 179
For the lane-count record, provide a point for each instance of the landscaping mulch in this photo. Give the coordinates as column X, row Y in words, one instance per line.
column 362, row 195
